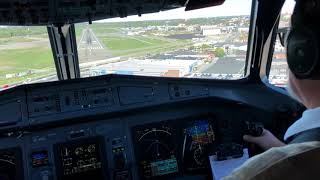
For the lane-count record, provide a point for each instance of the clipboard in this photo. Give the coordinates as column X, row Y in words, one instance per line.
column 222, row 168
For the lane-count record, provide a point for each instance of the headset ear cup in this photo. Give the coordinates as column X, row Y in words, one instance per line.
column 303, row 53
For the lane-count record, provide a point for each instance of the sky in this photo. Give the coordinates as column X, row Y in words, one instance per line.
column 229, row 8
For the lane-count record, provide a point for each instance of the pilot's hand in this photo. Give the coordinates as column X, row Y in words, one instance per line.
column 266, row 141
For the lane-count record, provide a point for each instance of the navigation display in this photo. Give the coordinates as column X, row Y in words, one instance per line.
column 156, row 150
column 198, row 139
column 80, row 160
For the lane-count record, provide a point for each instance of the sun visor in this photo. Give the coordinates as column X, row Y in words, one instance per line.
column 198, row 4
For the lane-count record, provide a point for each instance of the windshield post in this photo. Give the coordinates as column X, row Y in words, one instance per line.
column 64, row 49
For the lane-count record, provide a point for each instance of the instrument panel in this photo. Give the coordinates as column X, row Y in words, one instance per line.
column 122, row 128
column 124, row 149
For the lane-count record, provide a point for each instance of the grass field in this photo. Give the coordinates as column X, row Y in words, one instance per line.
column 156, row 49
column 4, row 41
column 131, row 42
column 23, row 60
column 19, row 60
column 24, row 78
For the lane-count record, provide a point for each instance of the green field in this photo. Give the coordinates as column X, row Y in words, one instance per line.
column 19, row 60
column 22, row 31
column 127, row 43
column 23, row 60
column 4, row 41
column 139, row 52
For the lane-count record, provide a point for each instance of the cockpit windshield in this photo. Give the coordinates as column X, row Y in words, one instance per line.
column 207, row 43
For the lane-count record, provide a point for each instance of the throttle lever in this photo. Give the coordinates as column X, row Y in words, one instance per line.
column 253, row 129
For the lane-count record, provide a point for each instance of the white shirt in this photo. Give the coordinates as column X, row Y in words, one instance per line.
column 309, row 120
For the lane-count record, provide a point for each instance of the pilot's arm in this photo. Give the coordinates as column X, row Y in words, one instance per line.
column 280, row 161
column 293, row 162
column 266, row 141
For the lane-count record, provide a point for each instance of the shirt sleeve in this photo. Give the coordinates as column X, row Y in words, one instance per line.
column 276, row 163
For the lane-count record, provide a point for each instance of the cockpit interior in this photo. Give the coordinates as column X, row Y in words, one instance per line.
column 130, row 90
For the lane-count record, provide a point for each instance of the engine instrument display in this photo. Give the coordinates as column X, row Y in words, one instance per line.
column 80, row 160
column 198, row 137
column 156, row 150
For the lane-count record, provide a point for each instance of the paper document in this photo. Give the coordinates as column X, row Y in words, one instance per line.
column 223, row 168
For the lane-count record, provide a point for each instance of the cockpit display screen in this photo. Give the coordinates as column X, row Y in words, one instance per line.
column 80, row 160
column 199, row 137
column 156, row 150
column 39, row 158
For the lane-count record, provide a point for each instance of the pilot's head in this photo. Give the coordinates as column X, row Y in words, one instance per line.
column 303, row 53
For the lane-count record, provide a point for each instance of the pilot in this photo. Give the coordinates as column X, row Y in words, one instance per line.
column 299, row 157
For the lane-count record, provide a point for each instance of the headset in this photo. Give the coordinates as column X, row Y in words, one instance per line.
column 303, row 42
